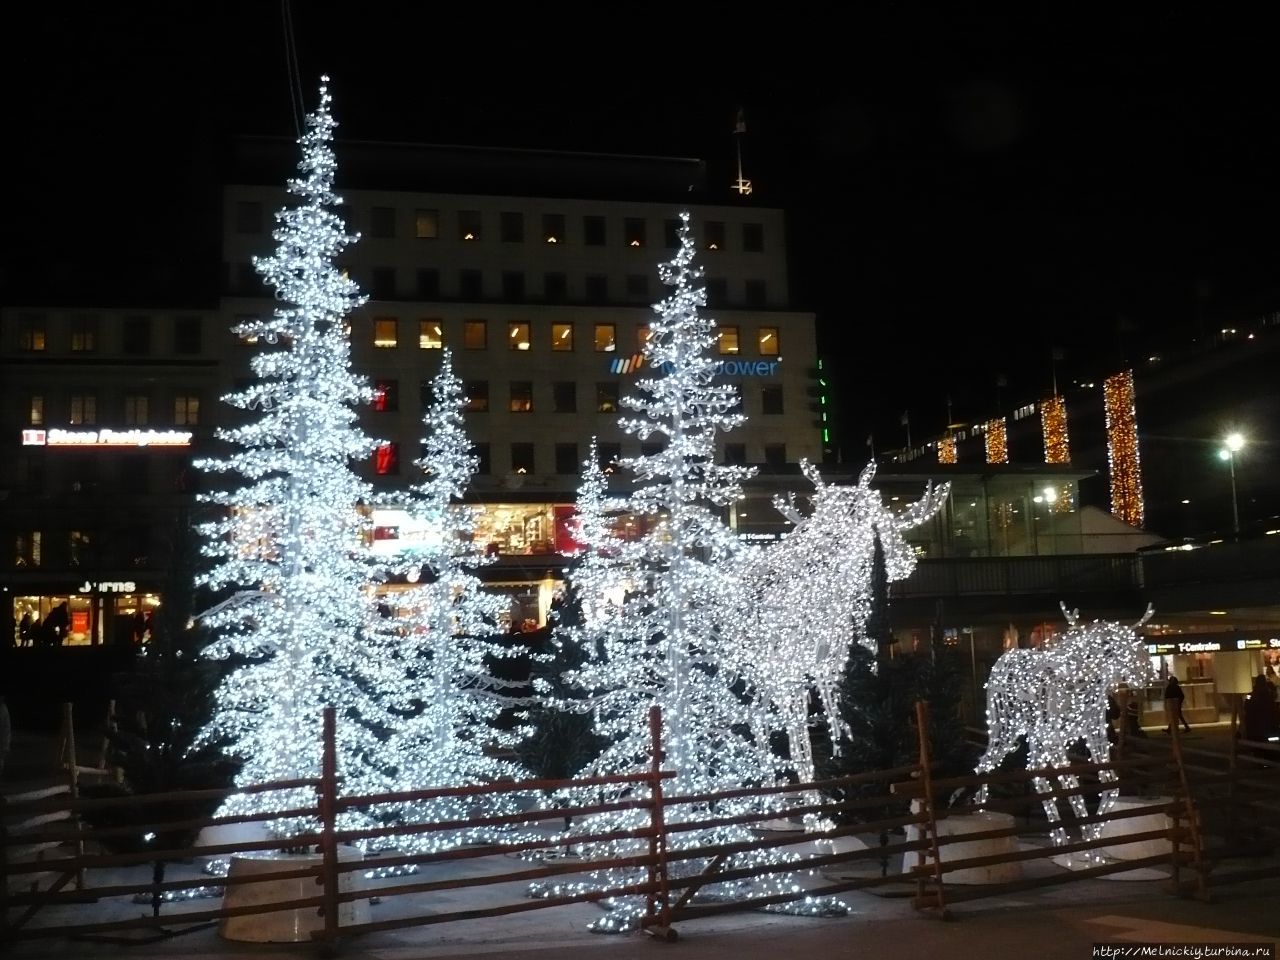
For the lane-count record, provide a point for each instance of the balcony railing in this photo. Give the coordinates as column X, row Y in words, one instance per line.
column 997, row 576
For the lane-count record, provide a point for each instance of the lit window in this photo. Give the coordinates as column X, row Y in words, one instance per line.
column 475, row 334
column 32, row 333
column 521, row 396
column 468, row 224
column 84, row 334
column 562, row 336
column 728, row 340
column 633, row 232
column 522, row 458
column 643, row 333
column 430, row 335
column 606, row 337
column 186, row 410
column 84, row 409
column 386, row 459
column 386, row 396
column 385, row 333
column 35, row 411
column 426, row 224
column 553, row 228
column 607, row 397
column 713, row 235
column 767, row 341
column 477, row 396
column 608, row 455
column 517, row 336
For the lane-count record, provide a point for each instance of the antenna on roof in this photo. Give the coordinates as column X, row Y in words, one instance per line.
column 742, row 185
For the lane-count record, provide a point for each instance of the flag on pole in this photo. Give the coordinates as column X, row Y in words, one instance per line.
column 905, row 420
column 741, row 125
column 869, row 441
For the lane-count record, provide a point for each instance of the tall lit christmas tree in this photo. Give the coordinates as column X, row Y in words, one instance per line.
column 662, row 642
column 290, row 541
column 444, row 628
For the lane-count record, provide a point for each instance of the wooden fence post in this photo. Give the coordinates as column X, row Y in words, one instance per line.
column 937, row 898
column 328, row 804
column 1192, row 817
column 73, row 773
column 657, row 918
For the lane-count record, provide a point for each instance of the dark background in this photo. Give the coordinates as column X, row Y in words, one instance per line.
column 967, row 190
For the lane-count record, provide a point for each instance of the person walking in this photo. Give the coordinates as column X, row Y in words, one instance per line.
column 1173, row 697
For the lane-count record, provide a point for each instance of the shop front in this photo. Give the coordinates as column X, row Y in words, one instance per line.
column 1213, row 670
column 87, row 613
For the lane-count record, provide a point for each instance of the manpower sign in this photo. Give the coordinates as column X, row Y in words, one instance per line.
column 724, row 368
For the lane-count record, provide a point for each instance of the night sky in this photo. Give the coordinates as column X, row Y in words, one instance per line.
column 966, row 191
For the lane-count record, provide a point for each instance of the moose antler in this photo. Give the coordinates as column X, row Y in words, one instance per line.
column 1071, row 615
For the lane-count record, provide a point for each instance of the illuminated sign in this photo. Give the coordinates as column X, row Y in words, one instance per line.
column 108, row 586
column 723, row 368
column 106, row 438
column 395, row 532
column 1185, row 646
column 1259, row 643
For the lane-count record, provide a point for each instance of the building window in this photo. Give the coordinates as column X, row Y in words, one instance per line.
column 248, row 216
column 188, row 336
column 386, row 396
column 186, row 410
column 136, row 337
column 607, row 397
column 77, row 547
column 771, row 400
column 753, row 237
column 477, row 396
column 136, row 409
column 484, row 462
column 606, row 337
column 27, row 549
column 511, row 227
column 35, row 411
column 553, row 228
column 767, row 341
column 475, row 334
column 426, row 224
column 775, row 454
column 637, row 287
column 643, row 333
column 521, row 396
column 671, row 234
column 562, row 336
column 84, row 409
column 84, row 334
column 633, row 232
column 727, row 340
column 713, row 235
column 564, row 396
column 382, row 223
column 596, row 288
column 428, row 283
column 717, row 292
column 555, row 287
column 567, row 458
column 382, row 283
column 757, row 293
column 32, row 335
column 430, row 334
column 470, row 285
column 512, row 285
column 468, row 224
column 593, row 231
column 517, row 335
column 522, row 458
column 608, row 455
column 385, row 332
column 735, row 454
column 386, row 459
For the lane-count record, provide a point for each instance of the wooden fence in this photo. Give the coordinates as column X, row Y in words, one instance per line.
column 57, row 873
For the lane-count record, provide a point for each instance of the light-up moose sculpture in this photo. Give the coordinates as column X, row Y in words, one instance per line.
column 1057, row 696
column 810, row 594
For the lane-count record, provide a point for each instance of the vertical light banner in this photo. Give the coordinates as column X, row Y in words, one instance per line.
column 997, row 440
column 1053, row 423
column 1122, row 448
column 947, row 449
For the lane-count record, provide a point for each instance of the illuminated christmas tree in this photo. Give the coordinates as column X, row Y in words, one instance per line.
column 290, row 542
column 444, row 627
column 663, row 642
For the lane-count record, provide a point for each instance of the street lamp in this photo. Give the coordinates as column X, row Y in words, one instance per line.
column 1232, row 444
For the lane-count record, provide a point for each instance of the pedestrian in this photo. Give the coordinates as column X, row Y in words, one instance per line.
column 1173, row 697
column 24, row 629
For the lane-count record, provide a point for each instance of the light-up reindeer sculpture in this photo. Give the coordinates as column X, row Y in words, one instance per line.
column 811, row 593
column 1057, row 696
